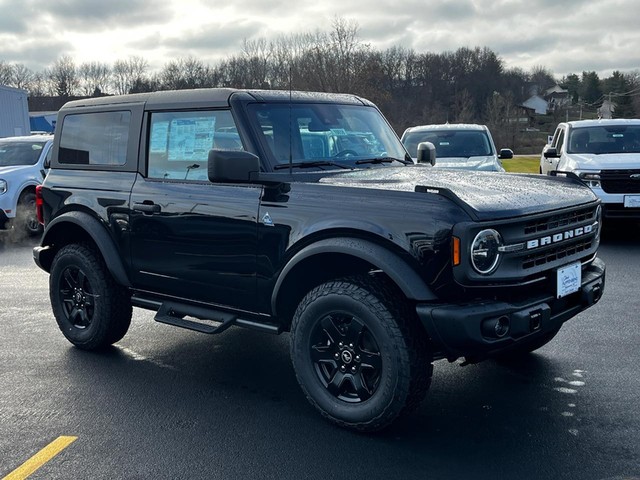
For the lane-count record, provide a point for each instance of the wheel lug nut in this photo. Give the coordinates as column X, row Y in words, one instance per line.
column 336, row 355
column 353, row 369
column 357, row 358
column 341, row 344
column 351, row 345
column 343, row 368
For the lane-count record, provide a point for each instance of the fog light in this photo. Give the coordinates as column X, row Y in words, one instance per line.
column 495, row 327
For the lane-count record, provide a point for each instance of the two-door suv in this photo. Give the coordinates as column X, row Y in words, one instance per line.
column 303, row 213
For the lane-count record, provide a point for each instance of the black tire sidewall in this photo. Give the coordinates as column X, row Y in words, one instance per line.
column 392, row 351
column 78, row 256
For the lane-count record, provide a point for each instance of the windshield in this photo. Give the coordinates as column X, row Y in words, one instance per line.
column 605, row 139
column 19, row 153
column 327, row 135
column 451, row 143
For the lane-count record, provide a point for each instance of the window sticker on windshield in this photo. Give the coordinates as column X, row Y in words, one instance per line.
column 338, row 131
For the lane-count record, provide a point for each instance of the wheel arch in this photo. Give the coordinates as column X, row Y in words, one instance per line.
column 338, row 257
column 78, row 226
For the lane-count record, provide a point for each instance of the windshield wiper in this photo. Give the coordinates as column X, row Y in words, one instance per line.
column 318, row 163
column 382, row 160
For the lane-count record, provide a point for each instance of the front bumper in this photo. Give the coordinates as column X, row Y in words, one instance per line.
column 466, row 330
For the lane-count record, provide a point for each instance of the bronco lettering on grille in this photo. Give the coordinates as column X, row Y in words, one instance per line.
column 558, row 237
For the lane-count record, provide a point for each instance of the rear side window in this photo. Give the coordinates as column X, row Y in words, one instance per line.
column 99, row 138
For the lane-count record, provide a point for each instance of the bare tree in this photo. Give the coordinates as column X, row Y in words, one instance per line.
column 94, row 78
column 502, row 119
column 187, row 72
column 127, row 72
column 22, row 76
column 463, row 108
column 6, row 73
column 63, row 77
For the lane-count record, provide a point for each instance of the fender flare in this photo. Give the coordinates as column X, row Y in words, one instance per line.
column 382, row 258
column 100, row 237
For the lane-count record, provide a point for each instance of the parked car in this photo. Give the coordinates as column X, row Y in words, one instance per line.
column 312, row 220
column 605, row 154
column 462, row 146
column 23, row 165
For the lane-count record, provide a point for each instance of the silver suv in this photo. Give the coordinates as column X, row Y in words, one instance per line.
column 23, row 166
column 461, row 145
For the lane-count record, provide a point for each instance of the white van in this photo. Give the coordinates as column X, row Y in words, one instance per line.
column 605, row 154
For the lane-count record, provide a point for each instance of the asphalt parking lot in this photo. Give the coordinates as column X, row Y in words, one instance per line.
column 169, row 403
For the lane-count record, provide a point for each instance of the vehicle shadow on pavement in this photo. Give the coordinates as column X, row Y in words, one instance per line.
column 511, row 412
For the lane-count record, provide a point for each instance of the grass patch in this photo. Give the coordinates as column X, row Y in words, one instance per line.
column 522, row 164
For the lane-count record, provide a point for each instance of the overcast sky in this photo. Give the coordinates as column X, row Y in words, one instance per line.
column 565, row 36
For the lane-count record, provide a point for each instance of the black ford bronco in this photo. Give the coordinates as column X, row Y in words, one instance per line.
column 303, row 213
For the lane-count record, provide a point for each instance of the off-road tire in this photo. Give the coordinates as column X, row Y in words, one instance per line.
column 386, row 323
column 91, row 309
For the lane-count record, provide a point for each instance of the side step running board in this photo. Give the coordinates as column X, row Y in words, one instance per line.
column 173, row 313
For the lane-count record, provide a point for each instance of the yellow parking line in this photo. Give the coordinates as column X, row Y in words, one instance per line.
column 40, row 458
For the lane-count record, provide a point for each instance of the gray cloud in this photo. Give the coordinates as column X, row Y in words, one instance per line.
column 568, row 36
column 86, row 16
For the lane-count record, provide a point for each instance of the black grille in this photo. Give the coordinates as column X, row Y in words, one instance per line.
column 620, row 181
column 565, row 219
column 556, row 253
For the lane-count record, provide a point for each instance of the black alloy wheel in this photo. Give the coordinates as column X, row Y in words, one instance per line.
column 346, row 357
column 78, row 300
column 359, row 354
column 91, row 309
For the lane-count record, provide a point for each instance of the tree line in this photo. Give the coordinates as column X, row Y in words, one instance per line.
column 412, row 88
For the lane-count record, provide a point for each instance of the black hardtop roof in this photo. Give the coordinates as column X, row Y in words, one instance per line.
column 213, row 97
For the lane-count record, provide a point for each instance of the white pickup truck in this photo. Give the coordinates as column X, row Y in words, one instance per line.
column 605, row 154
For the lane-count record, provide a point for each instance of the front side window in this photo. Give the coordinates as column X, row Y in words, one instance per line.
column 99, row 138
column 179, row 142
column 311, row 133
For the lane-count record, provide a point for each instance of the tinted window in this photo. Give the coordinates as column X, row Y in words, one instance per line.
column 179, row 142
column 95, row 138
column 312, row 132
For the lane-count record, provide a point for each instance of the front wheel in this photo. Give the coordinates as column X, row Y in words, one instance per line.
column 91, row 309
column 26, row 221
column 358, row 353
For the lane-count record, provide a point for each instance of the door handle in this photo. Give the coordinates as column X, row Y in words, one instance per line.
column 147, row 207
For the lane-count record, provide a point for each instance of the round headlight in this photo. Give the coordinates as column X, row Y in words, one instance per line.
column 484, row 251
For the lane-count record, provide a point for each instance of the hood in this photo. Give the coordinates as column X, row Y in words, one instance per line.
column 605, row 161
column 11, row 169
column 487, row 195
column 485, row 163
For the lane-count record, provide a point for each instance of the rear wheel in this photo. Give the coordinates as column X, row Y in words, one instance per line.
column 91, row 309
column 358, row 353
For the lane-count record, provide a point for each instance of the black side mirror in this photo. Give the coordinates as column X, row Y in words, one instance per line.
column 550, row 152
column 505, row 154
column 232, row 166
column 427, row 153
